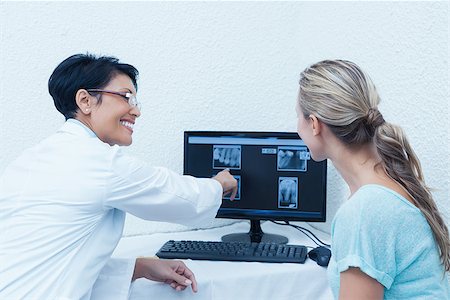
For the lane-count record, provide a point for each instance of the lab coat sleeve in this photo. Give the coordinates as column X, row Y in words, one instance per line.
column 159, row 194
column 114, row 280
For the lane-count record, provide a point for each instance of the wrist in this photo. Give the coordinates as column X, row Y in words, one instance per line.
column 219, row 181
column 137, row 269
column 139, row 266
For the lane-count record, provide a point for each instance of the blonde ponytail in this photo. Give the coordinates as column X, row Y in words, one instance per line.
column 402, row 165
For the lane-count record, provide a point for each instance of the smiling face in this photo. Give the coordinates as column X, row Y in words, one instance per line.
column 113, row 118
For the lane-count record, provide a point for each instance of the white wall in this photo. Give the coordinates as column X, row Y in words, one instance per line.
column 230, row 66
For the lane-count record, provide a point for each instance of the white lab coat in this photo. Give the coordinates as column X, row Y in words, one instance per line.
column 62, row 211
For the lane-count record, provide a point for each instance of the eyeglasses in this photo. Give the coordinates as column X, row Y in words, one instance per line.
column 129, row 97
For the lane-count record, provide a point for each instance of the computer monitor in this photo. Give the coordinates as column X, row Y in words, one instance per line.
column 277, row 179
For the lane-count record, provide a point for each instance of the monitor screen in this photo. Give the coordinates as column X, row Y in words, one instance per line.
column 277, row 179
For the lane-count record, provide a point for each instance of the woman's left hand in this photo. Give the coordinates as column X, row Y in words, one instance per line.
column 173, row 272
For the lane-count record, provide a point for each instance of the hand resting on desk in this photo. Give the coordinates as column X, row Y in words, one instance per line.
column 173, row 272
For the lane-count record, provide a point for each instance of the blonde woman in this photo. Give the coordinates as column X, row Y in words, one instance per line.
column 388, row 239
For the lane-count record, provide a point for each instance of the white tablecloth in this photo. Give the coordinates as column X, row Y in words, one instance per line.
column 220, row 280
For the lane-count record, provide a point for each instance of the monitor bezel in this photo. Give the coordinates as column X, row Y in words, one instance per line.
column 251, row 214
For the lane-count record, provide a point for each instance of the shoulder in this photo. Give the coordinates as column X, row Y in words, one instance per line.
column 379, row 217
column 113, row 159
column 375, row 201
column 71, row 151
column 377, row 214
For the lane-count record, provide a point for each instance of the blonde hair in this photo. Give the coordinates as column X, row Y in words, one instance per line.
column 343, row 97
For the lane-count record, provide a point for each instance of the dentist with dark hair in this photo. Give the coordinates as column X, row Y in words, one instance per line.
column 63, row 202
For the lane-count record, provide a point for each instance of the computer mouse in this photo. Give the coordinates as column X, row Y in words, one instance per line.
column 321, row 255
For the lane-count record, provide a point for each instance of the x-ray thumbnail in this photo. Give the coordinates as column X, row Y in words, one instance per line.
column 288, row 192
column 227, row 156
column 292, row 158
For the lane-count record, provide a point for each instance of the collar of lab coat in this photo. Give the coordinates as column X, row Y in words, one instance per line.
column 76, row 127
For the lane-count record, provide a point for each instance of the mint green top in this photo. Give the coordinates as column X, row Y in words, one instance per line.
column 389, row 239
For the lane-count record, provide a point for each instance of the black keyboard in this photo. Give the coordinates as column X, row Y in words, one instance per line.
column 233, row 251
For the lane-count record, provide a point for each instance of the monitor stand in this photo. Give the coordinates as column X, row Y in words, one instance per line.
column 255, row 235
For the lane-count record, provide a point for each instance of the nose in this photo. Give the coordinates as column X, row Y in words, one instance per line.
column 135, row 111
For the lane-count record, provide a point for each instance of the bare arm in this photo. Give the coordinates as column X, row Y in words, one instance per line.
column 356, row 285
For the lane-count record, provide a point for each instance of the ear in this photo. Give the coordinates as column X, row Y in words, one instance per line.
column 316, row 124
column 84, row 101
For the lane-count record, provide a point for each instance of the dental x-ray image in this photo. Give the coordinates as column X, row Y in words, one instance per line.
column 292, row 158
column 225, row 156
column 288, row 192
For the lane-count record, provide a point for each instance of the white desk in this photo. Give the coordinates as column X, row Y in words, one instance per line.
column 220, row 280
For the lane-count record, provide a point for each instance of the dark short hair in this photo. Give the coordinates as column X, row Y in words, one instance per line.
column 84, row 71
